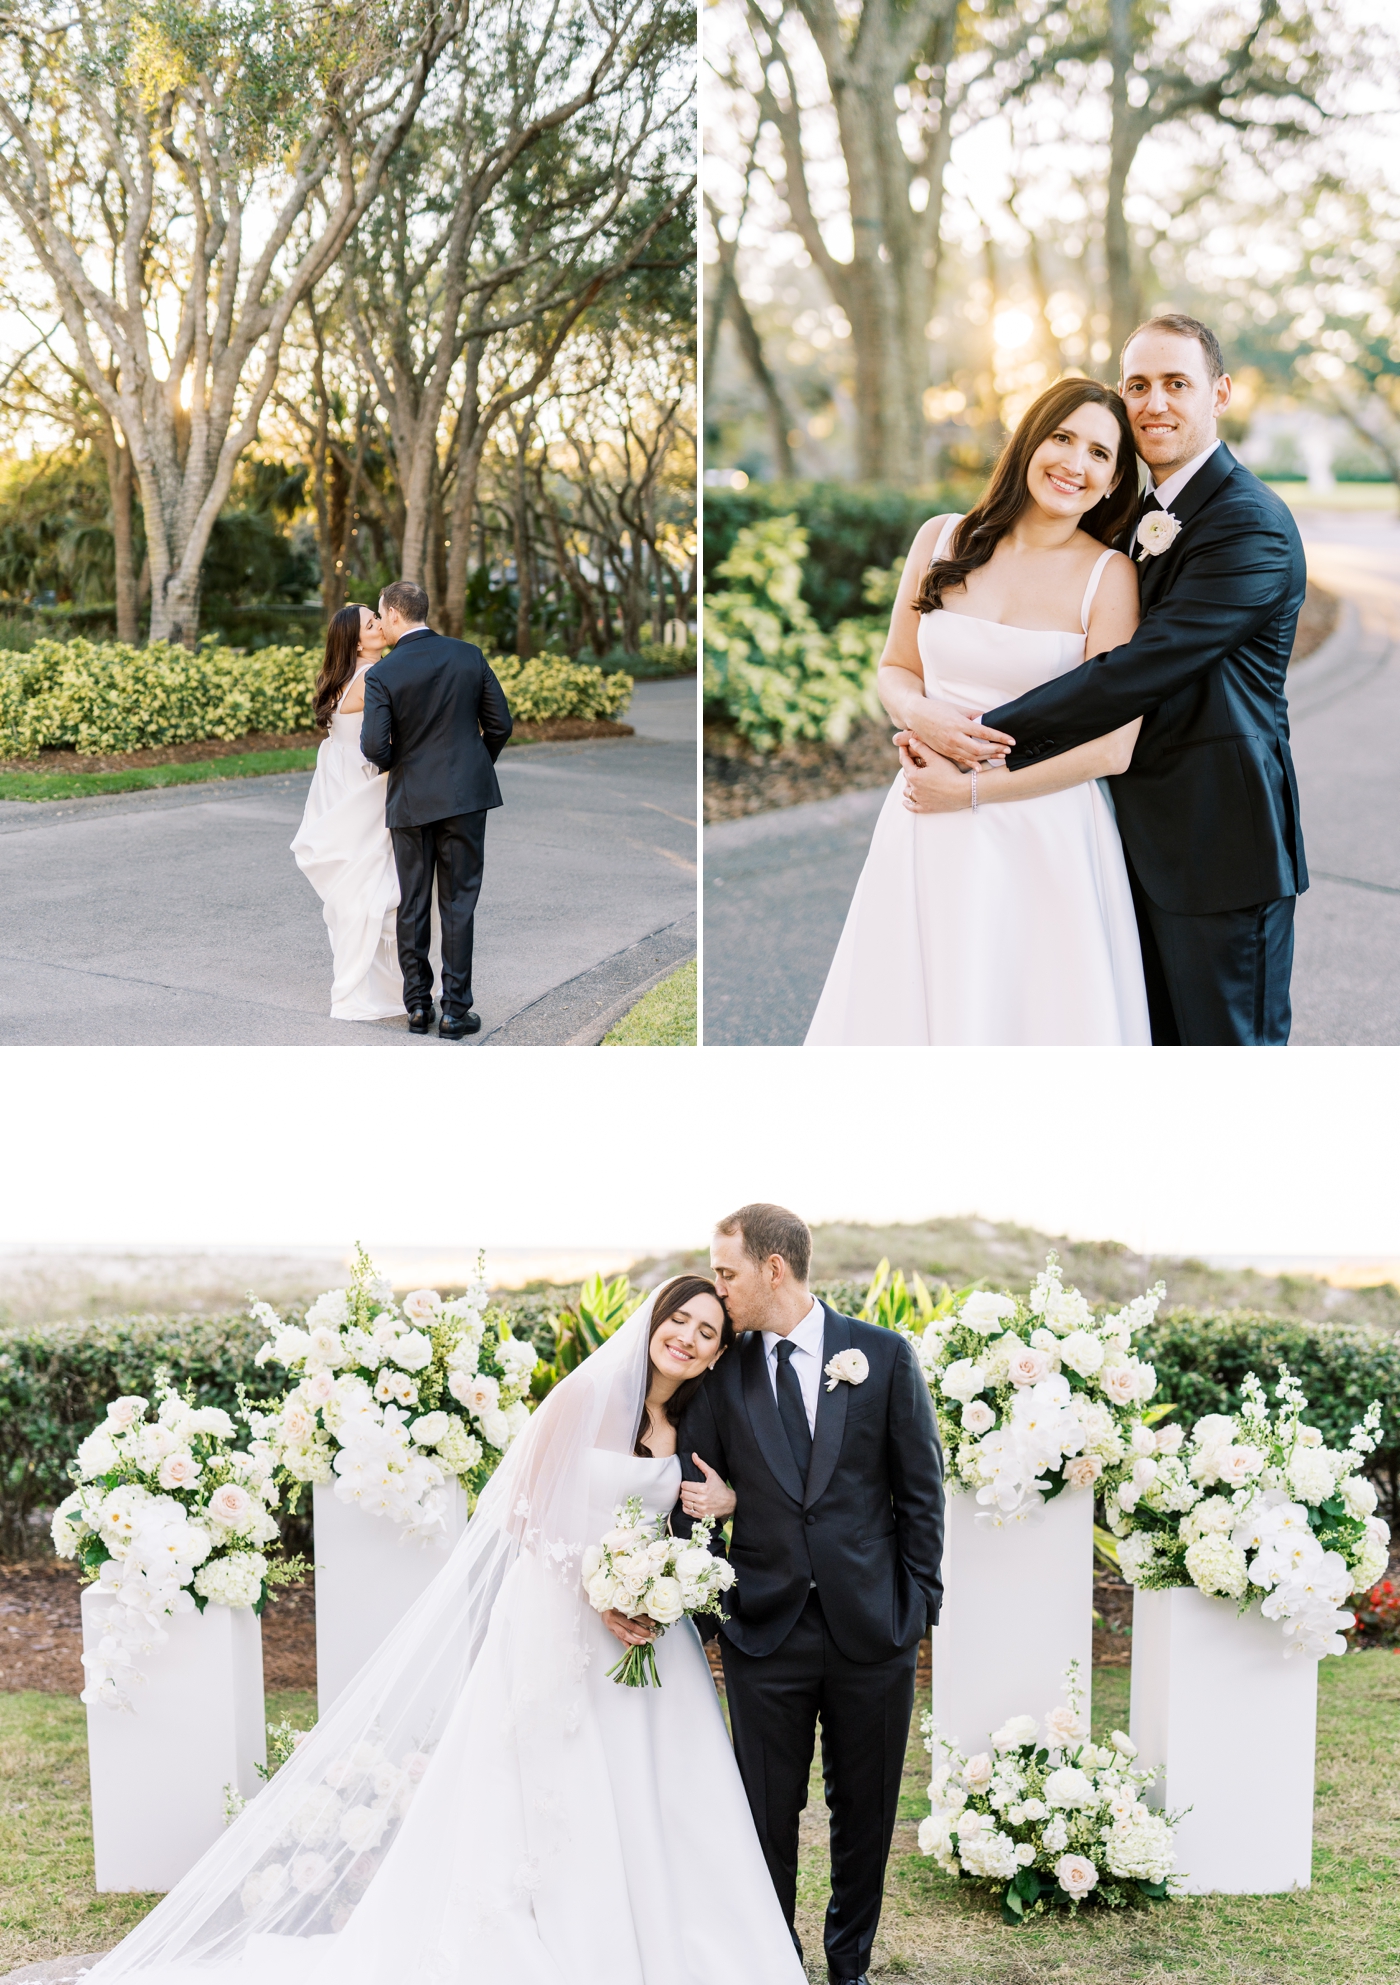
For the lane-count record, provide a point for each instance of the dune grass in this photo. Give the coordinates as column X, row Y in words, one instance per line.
column 666, row 1017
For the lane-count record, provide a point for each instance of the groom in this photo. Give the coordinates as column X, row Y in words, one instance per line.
column 1208, row 809
column 823, row 1427
column 436, row 721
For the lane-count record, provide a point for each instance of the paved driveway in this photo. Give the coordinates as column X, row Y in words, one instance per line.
column 777, row 885
column 179, row 917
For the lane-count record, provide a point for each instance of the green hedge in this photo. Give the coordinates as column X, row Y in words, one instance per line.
column 849, row 526
column 551, row 686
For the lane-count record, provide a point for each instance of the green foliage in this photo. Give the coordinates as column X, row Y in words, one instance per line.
column 768, row 665
column 850, row 528
column 891, row 1302
column 56, row 1380
column 551, row 686
column 101, row 696
column 600, row 1308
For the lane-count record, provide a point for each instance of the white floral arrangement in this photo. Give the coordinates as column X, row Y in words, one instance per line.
column 168, row 1516
column 1050, row 1819
column 1257, row 1507
column 641, row 1570
column 395, row 1403
column 1035, row 1394
column 336, row 1838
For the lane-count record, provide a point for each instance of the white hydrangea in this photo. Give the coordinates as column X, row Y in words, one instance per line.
column 232, row 1581
column 1310, row 1474
column 991, row 1855
column 1358, row 1496
column 1216, row 1565
column 1136, row 1553
column 1140, row 1847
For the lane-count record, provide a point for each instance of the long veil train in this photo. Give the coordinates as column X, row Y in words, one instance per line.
column 373, row 1854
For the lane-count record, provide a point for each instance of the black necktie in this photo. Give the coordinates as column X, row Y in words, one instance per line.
column 791, row 1410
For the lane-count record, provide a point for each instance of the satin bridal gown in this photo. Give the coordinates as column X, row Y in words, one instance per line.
column 568, row 1830
column 344, row 851
column 1010, row 927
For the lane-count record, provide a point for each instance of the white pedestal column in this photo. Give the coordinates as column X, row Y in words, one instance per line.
column 158, row 1776
column 1235, row 1726
column 368, row 1574
column 1018, row 1606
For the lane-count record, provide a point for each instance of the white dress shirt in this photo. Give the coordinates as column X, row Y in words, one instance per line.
column 808, row 1341
column 1167, row 492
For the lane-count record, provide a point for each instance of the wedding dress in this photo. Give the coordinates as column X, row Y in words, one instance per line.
column 1011, row 926
column 482, row 1805
column 343, row 849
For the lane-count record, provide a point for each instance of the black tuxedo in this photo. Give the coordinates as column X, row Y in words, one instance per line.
column 436, row 721
column 837, row 1582
column 1208, row 810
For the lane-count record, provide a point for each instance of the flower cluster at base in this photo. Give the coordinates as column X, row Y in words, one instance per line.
column 642, row 1571
column 395, row 1404
column 1035, row 1395
column 1052, row 1821
column 168, row 1516
column 1250, row 1507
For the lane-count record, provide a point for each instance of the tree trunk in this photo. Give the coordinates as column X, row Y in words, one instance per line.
column 521, row 519
column 1124, row 298
column 119, row 490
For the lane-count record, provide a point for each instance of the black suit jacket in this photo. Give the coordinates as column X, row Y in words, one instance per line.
column 1208, row 810
column 436, row 720
column 867, row 1524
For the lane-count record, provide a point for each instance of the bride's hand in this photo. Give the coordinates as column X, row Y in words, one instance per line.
column 952, row 735
column 931, row 784
column 632, row 1633
column 712, row 1500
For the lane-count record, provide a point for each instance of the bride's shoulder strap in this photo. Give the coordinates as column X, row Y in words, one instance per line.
column 1093, row 587
column 940, row 550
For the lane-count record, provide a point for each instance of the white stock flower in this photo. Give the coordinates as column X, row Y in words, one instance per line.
column 330, row 1309
column 978, row 1417
column 1056, row 1835
column 1358, row 1496
column 963, row 1380
column 1076, row 1875
column 518, row 1356
column 1135, row 1555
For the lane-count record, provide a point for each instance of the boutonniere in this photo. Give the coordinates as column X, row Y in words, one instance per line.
column 847, row 1368
column 1157, row 530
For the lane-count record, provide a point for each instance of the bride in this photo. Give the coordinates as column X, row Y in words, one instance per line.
column 482, row 1806
column 977, row 922
column 343, row 847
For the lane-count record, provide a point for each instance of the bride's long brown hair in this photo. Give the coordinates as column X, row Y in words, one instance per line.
column 342, row 646
column 676, row 1294
column 1006, row 496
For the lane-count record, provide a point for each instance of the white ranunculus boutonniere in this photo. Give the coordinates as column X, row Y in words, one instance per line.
column 847, row 1368
column 1157, row 530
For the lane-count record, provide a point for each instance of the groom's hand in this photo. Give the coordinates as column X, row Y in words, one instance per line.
column 931, row 784
column 632, row 1633
column 710, row 1501
column 961, row 739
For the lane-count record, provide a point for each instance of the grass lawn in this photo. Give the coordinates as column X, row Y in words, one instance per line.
column 48, row 1907
column 938, row 1930
column 663, row 1018
column 138, row 779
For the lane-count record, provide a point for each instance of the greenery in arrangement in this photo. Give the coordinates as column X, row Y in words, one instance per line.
column 770, row 670
column 666, row 1017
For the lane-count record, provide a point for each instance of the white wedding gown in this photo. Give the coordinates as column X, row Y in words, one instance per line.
column 343, row 849
column 1013, row 926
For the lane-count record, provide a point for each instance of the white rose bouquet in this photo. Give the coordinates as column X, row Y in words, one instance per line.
column 169, row 1516
column 1034, row 1395
column 393, row 1403
column 1256, row 1506
column 641, row 1570
column 1051, row 1820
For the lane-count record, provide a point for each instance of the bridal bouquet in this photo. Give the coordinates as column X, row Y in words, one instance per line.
column 168, row 1515
column 1049, row 1819
column 642, row 1571
column 1034, row 1394
column 395, row 1403
column 1254, row 1505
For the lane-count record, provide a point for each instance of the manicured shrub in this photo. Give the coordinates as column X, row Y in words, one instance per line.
column 551, row 686
column 850, row 527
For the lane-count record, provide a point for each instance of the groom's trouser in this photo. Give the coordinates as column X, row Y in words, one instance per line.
column 454, row 850
column 1217, row 981
column 774, row 1703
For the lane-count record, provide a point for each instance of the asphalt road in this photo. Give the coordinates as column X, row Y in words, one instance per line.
column 777, row 885
column 179, row 917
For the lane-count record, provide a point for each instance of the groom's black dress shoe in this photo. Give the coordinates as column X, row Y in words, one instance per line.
column 453, row 1026
column 420, row 1018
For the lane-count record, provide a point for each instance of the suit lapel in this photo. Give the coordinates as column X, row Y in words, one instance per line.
column 762, row 1408
column 831, row 1411
column 1154, row 574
